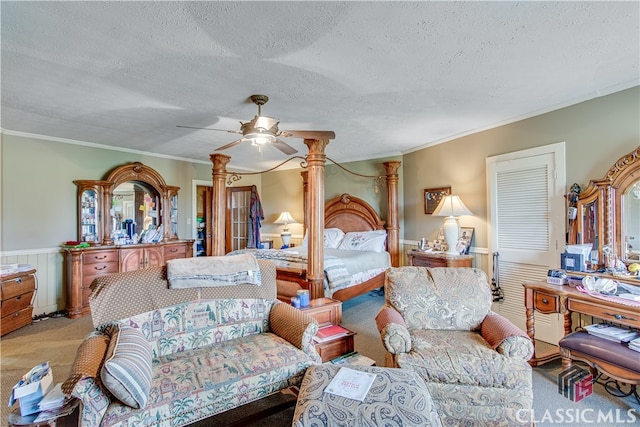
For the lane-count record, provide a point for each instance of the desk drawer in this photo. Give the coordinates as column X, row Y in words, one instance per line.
column 174, row 252
column 624, row 316
column 546, row 303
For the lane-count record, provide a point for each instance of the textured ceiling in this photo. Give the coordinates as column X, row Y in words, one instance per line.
column 387, row 77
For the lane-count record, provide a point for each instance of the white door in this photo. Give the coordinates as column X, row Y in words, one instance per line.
column 527, row 227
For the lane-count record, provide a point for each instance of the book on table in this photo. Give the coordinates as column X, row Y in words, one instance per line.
column 330, row 332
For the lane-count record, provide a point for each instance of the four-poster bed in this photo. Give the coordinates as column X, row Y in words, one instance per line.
column 345, row 212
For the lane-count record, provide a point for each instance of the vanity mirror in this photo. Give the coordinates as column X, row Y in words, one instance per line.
column 608, row 214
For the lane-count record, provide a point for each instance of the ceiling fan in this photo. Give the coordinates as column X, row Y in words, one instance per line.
column 262, row 130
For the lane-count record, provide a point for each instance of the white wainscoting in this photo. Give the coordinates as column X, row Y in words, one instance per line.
column 50, row 293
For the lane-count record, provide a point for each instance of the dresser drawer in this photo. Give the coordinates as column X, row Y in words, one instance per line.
column 174, row 251
column 18, row 286
column 431, row 262
column 98, row 269
column 16, row 320
column 620, row 315
column 14, row 304
column 546, row 303
column 101, row 257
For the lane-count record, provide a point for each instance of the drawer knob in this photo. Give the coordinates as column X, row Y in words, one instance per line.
column 621, row 316
column 545, row 301
column 99, row 257
column 19, row 280
column 100, row 268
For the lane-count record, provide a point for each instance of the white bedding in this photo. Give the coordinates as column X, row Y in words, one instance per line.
column 359, row 266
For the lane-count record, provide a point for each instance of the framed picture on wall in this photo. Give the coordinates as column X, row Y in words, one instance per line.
column 464, row 242
column 432, row 197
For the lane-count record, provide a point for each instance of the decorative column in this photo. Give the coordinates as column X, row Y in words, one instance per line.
column 305, row 200
column 219, row 202
column 316, row 163
column 393, row 228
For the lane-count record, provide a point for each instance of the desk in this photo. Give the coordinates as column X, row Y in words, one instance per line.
column 565, row 299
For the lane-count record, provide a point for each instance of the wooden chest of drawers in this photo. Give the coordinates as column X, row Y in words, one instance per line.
column 17, row 297
column 429, row 259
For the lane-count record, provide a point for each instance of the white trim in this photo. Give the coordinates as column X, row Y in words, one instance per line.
column 30, row 252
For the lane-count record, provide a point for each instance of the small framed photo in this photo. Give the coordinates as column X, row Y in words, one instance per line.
column 432, row 197
column 464, row 242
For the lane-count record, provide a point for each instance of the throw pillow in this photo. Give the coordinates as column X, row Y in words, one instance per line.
column 364, row 241
column 127, row 369
column 332, row 238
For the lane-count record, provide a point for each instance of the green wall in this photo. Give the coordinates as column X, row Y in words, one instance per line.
column 39, row 198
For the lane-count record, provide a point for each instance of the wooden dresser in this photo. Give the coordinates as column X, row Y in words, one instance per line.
column 434, row 259
column 17, row 296
column 82, row 265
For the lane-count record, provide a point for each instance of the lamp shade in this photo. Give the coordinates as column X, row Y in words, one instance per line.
column 451, row 206
column 285, row 218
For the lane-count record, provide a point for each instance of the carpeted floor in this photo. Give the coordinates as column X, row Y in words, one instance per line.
column 57, row 339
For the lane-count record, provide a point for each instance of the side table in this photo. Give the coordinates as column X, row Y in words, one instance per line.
column 328, row 311
column 438, row 259
column 67, row 415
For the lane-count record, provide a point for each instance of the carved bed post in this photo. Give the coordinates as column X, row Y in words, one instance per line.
column 393, row 228
column 219, row 202
column 316, row 164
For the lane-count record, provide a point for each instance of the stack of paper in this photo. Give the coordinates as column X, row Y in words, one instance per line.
column 635, row 344
column 612, row 333
column 54, row 399
column 330, row 332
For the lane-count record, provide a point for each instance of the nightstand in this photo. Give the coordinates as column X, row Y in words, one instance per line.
column 328, row 311
column 435, row 259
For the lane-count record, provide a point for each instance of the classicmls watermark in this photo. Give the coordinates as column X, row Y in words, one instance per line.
column 575, row 383
column 580, row 417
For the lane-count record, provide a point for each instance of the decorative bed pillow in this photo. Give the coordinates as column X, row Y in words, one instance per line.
column 364, row 241
column 332, row 238
column 127, row 369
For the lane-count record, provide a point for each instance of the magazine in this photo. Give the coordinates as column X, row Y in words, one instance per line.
column 351, row 383
column 611, row 332
column 330, row 332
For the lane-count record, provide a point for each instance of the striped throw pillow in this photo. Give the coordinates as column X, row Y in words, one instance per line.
column 127, row 368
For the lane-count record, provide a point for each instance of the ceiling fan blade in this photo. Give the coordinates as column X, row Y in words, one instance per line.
column 221, row 130
column 231, row 144
column 284, row 147
column 310, row 134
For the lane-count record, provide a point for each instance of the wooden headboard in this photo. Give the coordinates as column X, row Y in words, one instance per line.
column 350, row 213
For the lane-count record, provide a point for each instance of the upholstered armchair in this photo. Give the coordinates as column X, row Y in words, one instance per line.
column 438, row 322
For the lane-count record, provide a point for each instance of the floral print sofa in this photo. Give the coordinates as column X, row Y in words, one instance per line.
column 170, row 357
column 438, row 322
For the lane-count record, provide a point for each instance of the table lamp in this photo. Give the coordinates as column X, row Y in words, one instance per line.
column 451, row 207
column 286, row 219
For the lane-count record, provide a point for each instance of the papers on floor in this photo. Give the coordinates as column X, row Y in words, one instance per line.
column 612, row 333
column 351, row 383
column 330, row 332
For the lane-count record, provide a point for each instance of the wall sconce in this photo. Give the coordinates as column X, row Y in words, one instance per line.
column 286, row 219
column 451, row 207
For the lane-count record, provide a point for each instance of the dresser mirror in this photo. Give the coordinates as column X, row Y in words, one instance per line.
column 608, row 215
column 130, row 201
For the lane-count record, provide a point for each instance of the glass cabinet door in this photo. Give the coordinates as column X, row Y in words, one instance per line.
column 89, row 213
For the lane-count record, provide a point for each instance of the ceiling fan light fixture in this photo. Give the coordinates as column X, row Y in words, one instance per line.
column 260, row 139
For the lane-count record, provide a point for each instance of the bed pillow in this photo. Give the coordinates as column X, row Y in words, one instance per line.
column 364, row 241
column 127, row 368
column 332, row 238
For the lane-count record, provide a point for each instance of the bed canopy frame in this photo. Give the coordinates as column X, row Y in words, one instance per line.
column 315, row 209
